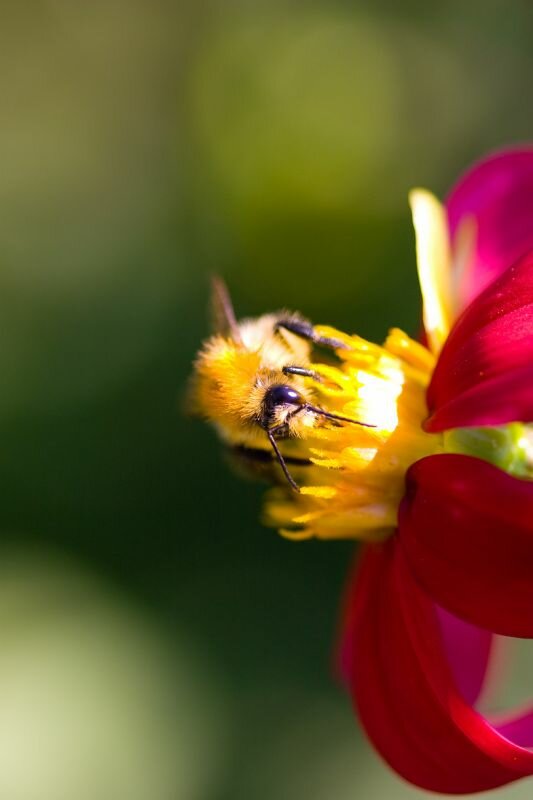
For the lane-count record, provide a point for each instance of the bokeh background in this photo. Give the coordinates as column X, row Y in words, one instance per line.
column 155, row 642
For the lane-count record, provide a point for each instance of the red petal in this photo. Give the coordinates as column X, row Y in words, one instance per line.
column 405, row 692
column 484, row 375
column 467, row 530
column 498, row 193
column 519, row 728
column 468, row 650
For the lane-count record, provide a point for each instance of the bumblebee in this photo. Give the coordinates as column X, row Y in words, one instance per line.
column 254, row 382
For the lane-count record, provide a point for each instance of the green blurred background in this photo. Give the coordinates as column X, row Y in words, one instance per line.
column 156, row 642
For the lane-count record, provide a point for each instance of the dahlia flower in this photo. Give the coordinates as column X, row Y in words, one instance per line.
column 436, row 482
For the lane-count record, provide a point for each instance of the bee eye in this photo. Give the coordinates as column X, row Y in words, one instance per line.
column 276, row 396
column 282, row 395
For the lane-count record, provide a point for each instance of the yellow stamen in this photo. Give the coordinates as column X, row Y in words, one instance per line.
column 356, row 479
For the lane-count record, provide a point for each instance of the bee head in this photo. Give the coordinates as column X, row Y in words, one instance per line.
column 279, row 401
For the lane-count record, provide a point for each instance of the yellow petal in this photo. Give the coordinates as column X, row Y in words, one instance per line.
column 463, row 261
column 326, row 492
column 434, row 265
column 295, row 536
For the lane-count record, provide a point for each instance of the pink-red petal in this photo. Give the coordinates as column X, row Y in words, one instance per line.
column 468, row 649
column 405, row 692
column 498, row 194
column 484, row 375
column 518, row 729
column 466, row 528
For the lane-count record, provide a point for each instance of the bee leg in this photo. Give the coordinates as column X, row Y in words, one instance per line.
column 270, row 432
column 282, row 463
column 305, row 329
column 303, row 372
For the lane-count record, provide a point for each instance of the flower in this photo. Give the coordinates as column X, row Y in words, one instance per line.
column 440, row 489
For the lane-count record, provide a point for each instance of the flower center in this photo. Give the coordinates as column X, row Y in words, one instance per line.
column 356, row 479
column 509, row 447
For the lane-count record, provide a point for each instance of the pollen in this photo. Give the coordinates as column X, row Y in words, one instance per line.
column 355, row 481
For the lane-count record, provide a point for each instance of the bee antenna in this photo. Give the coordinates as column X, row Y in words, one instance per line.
column 329, row 415
column 224, row 317
column 282, row 463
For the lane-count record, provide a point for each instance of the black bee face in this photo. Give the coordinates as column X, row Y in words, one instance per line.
column 277, row 397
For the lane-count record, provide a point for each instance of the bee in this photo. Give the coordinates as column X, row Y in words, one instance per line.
column 253, row 381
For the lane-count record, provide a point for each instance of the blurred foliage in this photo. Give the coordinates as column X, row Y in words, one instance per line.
column 144, row 145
